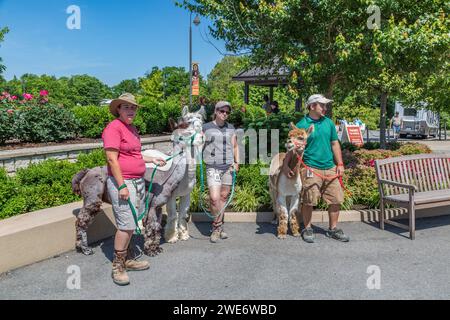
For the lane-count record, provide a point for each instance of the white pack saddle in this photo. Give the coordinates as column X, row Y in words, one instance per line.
column 158, row 154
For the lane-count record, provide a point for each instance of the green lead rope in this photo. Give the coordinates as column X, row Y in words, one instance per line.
column 139, row 217
column 202, row 190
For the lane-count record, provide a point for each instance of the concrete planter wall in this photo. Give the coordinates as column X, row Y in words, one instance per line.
column 35, row 236
column 12, row 160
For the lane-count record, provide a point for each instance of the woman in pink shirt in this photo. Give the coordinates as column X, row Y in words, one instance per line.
column 126, row 169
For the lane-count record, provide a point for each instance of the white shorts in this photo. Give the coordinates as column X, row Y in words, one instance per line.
column 216, row 177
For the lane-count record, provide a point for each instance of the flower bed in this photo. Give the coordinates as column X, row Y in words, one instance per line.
column 33, row 119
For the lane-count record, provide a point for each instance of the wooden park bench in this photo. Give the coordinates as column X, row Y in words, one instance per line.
column 413, row 182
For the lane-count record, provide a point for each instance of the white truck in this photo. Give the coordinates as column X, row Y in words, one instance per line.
column 418, row 122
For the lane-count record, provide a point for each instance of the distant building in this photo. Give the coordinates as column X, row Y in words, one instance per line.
column 105, row 102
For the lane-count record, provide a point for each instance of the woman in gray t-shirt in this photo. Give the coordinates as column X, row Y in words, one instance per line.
column 221, row 155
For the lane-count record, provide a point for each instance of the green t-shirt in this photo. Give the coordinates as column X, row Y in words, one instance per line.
column 318, row 153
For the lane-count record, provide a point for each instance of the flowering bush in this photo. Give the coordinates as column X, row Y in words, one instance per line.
column 33, row 119
column 7, row 112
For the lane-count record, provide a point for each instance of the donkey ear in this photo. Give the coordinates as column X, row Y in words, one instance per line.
column 173, row 125
column 202, row 112
column 185, row 111
column 292, row 126
column 310, row 129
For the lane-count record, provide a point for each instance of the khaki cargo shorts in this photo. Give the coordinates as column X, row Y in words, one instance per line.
column 314, row 187
column 121, row 208
column 216, row 177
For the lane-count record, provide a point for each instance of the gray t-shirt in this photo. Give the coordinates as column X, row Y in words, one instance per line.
column 218, row 152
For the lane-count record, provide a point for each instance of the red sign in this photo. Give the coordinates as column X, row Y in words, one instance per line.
column 195, row 79
column 352, row 134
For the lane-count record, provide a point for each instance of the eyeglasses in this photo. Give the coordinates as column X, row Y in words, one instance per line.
column 223, row 111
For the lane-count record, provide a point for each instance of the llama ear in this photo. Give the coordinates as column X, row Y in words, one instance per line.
column 202, row 112
column 292, row 126
column 310, row 129
column 173, row 125
column 185, row 111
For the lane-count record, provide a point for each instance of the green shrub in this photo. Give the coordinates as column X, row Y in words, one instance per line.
column 362, row 183
column 153, row 116
column 8, row 187
column 245, row 199
column 413, row 148
column 6, row 124
column 278, row 121
column 42, row 185
column 250, row 176
column 45, row 123
column 47, row 172
column 92, row 119
column 95, row 158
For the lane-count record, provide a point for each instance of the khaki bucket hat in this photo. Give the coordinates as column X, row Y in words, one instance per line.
column 123, row 98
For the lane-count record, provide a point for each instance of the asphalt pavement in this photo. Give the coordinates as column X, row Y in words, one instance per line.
column 254, row 264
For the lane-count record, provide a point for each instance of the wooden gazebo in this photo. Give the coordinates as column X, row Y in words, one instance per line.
column 265, row 77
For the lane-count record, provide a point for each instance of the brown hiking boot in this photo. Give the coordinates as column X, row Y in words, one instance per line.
column 132, row 265
column 119, row 274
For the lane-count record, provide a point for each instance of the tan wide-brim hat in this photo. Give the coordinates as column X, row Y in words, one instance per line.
column 124, row 98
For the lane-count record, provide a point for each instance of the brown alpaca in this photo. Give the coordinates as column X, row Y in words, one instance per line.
column 284, row 191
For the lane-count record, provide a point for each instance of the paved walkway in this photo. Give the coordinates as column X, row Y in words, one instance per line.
column 254, row 264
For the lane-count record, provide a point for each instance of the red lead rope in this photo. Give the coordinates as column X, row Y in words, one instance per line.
column 329, row 178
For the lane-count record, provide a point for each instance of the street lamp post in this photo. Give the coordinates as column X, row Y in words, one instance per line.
column 196, row 22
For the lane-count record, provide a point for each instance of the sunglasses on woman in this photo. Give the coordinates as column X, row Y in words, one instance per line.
column 224, row 111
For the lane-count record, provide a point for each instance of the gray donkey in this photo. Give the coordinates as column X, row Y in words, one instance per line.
column 91, row 185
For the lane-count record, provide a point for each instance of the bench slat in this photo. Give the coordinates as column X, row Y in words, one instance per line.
column 440, row 172
column 446, row 170
column 418, row 175
column 423, row 197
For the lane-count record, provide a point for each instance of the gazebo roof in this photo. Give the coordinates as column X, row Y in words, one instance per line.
column 271, row 76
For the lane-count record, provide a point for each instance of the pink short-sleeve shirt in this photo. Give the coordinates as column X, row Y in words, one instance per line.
column 125, row 138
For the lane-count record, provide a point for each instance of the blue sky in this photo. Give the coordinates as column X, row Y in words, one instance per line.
column 118, row 39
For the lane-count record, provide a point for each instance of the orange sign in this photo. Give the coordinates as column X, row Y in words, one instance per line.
column 195, row 79
column 352, row 134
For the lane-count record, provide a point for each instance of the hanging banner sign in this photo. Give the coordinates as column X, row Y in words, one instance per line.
column 352, row 134
column 195, row 79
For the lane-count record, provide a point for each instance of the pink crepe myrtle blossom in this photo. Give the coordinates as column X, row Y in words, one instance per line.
column 14, row 98
column 6, row 94
column 43, row 93
column 10, row 111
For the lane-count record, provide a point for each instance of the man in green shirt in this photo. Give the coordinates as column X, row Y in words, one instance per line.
column 323, row 160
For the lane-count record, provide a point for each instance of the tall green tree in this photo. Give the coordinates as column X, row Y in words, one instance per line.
column 152, row 85
column 88, row 90
column 329, row 43
column 175, row 81
column 129, row 85
column 3, row 31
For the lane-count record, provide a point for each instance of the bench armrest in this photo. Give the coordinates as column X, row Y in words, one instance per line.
column 398, row 184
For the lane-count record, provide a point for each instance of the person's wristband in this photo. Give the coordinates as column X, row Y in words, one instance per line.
column 122, row 186
column 340, row 164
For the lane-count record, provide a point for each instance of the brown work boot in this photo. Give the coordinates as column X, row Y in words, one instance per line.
column 119, row 274
column 133, row 265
